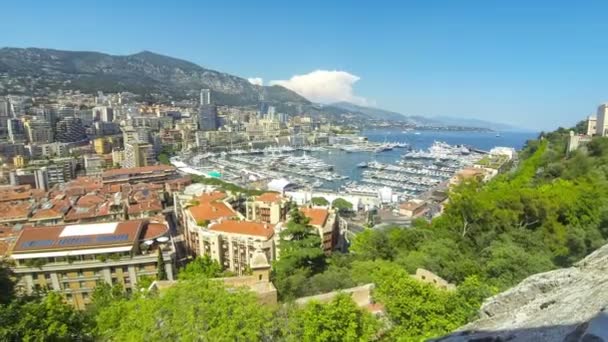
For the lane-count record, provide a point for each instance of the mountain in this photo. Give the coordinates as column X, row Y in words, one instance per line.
column 454, row 121
column 382, row 114
column 567, row 304
column 36, row 71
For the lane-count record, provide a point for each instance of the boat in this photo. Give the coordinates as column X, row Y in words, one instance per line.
column 417, row 133
column 362, row 165
column 498, row 134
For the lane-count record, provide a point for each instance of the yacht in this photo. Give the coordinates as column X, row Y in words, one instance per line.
column 362, row 165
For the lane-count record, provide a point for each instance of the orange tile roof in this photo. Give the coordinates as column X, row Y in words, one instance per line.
column 211, row 211
column 269, row 197
column 317, row 216
column 244, row 227
column 154, row 230
column 11, row 212
column 211, row 197
column 145, row 206
column 90, row 200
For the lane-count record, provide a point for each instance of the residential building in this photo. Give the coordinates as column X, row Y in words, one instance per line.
column 602, row 120
column 37, row 178
column 102, row 145
column 326, row 222
column 269, row 207
column 93, row 165
column 72, row 259
column 591, row 125
column 38, row 131
column 205, row 97
column 103, row 113
column 139, row 154
column 70, row 129
column 18, row 161
column 147, row 174
column 16, row 131
column 207, row 118
column 413, row 208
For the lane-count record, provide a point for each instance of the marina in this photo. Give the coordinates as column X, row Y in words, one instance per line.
column 404, row 167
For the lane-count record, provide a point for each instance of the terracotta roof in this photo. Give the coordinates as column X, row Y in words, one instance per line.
column 138, row 170
column 12, row 212
column 244, row 227
column 269, row 197
column 154, row 230
column 90, row 200
column 16, row 193
column 145, row 206
column 211, row 197
column 211, row 211
column 43, row 239
column 317, row 216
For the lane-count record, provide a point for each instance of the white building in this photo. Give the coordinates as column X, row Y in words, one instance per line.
column 602, row 120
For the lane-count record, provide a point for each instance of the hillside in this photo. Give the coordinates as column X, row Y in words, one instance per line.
column 36, row 71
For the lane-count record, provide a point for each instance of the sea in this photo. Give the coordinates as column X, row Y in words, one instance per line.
column 345, row 163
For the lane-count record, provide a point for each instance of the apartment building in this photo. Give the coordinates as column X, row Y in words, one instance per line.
column 147, row 174
column 269, row 207
column 326, row 222
column 73, row 259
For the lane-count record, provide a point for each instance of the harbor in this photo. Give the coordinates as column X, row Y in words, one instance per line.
column 402, row 169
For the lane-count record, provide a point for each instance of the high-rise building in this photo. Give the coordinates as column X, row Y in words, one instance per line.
column 70, row 129
column 38, row 131
column 103, row 113
column 602, row 120
column 139, row 154
column 205, row 97
column 591, row 125
column 4, row 116
column 93, row 164
column 16, row 131
column 207, row 118
column 264, row 108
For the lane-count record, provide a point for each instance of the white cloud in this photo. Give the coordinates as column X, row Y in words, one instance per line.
column 256, row 80
column 324, row 86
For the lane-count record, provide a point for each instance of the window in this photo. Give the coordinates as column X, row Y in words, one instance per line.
column 85, row 296
column 81, row 284
column 125, row 270
column 80, row 273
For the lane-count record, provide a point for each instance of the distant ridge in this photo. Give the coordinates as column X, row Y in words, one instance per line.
column 34, row 71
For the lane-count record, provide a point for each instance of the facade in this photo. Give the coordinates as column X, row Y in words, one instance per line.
column 269, row 207
column 602, row 120
column 93, row 165
column 205, row 97
column 591, row 125
column 413, row 209
column 70, row 129
column 16, row 131
column 102, row 145
column 207, row 118
column 103, row 113
column 39, row 132
column 139, row 154
column 148, row 174
column 72, row 259
column 326, row 222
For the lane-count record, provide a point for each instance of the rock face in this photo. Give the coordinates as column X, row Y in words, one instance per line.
column 562, row 305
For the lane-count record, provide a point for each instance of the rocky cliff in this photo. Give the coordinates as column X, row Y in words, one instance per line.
column 562, row 305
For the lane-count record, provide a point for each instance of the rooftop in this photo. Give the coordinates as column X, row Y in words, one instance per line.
column 138, row 170
column 74, row 237
column 317, row 216
column 271, row 197
column 244, row 228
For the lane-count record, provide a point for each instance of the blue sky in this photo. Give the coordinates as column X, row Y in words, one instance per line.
column 535, row 64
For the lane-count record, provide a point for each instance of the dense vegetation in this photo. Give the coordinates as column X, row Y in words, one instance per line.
column 550, row 211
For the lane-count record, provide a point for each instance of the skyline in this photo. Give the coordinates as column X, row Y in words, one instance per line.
column 536, row 66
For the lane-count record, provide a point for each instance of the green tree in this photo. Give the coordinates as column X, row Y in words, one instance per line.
column 42, row 318
column 338, row 320
column 192, row 310
column 342, row 205
column 301, row 255
column 201, row 267
column 320, row 201
column 7, row 289
column 161, row 273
